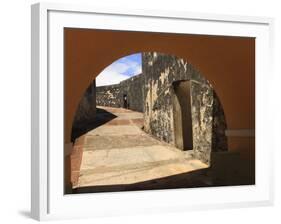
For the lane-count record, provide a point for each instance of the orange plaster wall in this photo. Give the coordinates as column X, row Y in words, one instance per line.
column 227, row 62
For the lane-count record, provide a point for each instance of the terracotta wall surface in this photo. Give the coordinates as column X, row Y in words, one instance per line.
column 227, row 62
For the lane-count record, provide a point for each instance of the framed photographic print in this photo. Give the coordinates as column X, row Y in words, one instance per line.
column 148, row 111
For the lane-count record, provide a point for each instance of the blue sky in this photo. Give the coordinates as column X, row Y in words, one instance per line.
column 120, row 70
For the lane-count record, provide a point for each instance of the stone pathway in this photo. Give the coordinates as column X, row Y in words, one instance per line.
column 120, row 153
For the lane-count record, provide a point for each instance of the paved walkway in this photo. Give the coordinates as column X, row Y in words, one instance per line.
column 120, row 153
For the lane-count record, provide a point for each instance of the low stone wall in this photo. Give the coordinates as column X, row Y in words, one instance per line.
column 113, row 95
column 110, row 96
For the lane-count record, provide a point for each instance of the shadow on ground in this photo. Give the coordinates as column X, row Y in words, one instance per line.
column 82, row 127
column 197, row 178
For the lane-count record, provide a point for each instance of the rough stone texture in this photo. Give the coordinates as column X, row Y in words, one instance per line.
column 219, row 140
column 109, row 96
column 208, row 124
column 202, row 119
column 112, row 95
column 86, row 111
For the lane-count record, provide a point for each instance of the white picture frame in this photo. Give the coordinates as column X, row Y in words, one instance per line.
column 48, row 200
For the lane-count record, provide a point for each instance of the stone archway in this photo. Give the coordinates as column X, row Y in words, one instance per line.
column 180, row 106
column 227, row 62
column 167, row 87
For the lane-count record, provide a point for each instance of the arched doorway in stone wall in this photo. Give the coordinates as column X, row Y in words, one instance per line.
column 182, row 115
column 169, row 100
column 176, row 94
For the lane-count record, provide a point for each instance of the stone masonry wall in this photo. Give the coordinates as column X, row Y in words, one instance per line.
column 109, row 96
column 133, row 88
column 86, row 111
column 113, row 95
column 160, row 71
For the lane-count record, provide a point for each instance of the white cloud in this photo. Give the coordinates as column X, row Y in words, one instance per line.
column 109, row 76
column 118, row 71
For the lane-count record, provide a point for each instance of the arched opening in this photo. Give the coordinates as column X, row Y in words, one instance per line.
column 162, row 124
